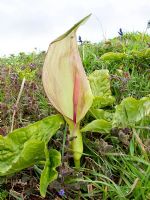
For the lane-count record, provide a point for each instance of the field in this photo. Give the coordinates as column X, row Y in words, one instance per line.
column 115, row 163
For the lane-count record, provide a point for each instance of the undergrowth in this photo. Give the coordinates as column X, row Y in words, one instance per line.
column 114, row 165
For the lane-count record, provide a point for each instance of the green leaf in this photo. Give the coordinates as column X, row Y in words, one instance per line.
column 100, row 85
column 101, row 114
column 20, row 149
column 145, row 54
column 131, row 147
column 99, row 125
column 131, row 112
column 49, row 173
column 112, row 56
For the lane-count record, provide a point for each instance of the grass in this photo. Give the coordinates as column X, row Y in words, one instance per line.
column 114, row 166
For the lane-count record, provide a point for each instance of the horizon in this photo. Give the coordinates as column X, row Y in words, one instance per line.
column 36, row 50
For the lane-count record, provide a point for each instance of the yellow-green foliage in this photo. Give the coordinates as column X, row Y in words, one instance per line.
column 111, row 56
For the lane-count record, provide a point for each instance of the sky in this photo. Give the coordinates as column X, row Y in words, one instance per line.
column 29, row 24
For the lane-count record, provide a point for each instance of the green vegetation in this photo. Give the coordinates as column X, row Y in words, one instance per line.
column 116, row 130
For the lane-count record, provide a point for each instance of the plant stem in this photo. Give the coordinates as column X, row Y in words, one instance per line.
column 77, row 145
column 76, row 142
column 16, row 105
column 64, row 141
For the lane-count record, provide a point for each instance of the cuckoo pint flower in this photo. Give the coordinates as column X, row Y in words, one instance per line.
column 65, row 81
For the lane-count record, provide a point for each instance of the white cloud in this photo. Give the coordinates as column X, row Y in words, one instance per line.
column 27, row 24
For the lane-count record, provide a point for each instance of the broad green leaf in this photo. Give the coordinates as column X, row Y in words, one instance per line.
column 145, row 54
column 64, row 78
column 112, row 56
column 131, row 112
column 12, row 160
column 103, row 101
column 100, row 85
column 49, row 173
column 99, row 125
column 20, row 149
column 101, row 114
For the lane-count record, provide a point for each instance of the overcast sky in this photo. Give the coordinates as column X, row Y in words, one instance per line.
column 29, row 24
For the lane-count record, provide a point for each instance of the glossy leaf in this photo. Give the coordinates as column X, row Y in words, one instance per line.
column 20, row 149
column 100, row 85
column 113, row 56
column 131, row 111
column 99, row 125
column 49, row 173
column 101, row 114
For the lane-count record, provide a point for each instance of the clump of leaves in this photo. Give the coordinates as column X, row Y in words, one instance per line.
column 20, row 149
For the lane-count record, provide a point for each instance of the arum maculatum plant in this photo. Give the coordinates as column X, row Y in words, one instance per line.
column 67, row 86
